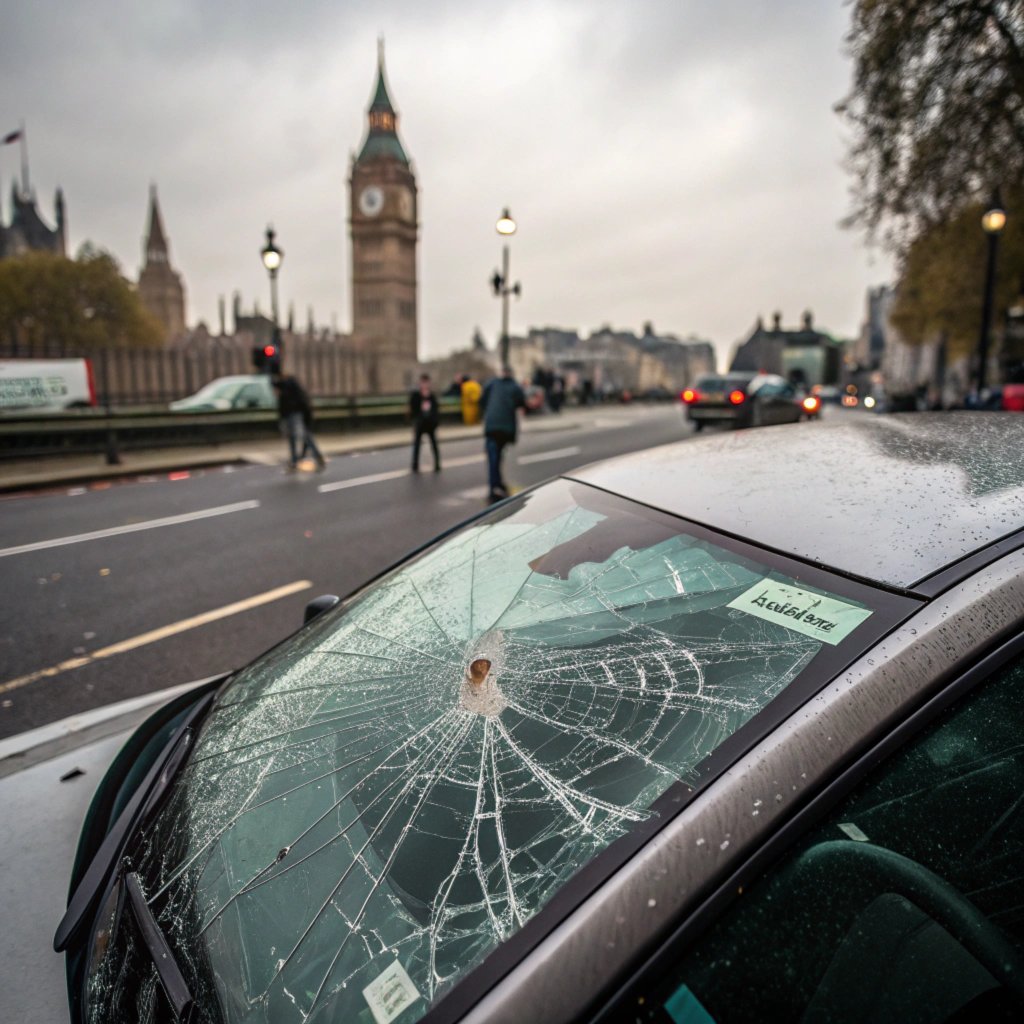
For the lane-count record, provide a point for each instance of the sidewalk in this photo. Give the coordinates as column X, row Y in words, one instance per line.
column 53, row 471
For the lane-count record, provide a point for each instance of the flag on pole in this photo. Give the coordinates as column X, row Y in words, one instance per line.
column 11, row 137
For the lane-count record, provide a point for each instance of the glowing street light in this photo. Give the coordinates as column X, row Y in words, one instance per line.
column 272, row 257
column 993, row 221
column 505, row 226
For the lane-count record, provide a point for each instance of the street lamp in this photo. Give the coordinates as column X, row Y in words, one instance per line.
column 506, row 226
column 993, row 221
column 272, row 257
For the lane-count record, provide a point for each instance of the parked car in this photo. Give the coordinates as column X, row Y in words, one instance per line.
column 659, row 394
column 743, row 400
column 46, row 385
column 684, row 736
column 1013, row 397
column 245, row 391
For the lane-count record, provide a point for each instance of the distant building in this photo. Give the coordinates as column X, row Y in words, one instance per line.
column 870, row 345
column 383, row 220
column 803, row 355
column 27, row 231
column 612, row 360
column 160, row 286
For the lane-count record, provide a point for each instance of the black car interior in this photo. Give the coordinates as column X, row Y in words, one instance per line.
column 906, row 904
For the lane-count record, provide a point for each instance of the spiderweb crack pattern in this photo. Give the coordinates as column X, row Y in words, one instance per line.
column 354, row 800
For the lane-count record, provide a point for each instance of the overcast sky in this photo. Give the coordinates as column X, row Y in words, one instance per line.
column 677, row 162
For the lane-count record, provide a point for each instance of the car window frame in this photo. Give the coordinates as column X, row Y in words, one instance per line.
column 251, row 394
column 892, row 607
column 780, row 843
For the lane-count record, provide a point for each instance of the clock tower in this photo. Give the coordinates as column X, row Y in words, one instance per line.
column 383, row 223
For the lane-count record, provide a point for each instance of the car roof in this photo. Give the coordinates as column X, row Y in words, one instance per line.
column 892, row 499
column 729, row 375
column 234, row 377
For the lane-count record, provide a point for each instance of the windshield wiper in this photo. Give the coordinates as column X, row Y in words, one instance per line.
column 167, row 969
column 139, row 809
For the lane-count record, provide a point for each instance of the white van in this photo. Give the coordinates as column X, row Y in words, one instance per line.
column 45, row 385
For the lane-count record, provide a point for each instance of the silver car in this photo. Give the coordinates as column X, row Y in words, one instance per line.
column 729, row 730
column 243, row 391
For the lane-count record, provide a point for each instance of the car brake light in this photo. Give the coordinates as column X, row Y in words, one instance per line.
column 810, row 403
column 689, row 396
column 737, row 397
column 268, row 351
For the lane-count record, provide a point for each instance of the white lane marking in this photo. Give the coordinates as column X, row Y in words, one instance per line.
column 395, row 474
column 373, row 478
column 159, row 634
column 466, row 460
column 113, row 531
column 558, row 453
column 609, row 424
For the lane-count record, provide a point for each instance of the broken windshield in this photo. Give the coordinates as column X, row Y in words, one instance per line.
column 378, row 803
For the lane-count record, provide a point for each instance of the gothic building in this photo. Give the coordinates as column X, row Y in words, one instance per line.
column 160, row 287
column 382, row 196
column 28, row 231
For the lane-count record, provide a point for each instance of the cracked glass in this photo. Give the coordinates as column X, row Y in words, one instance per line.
column 375, row 805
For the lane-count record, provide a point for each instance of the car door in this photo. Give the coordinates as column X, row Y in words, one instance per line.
column 763, row 411
column 906, row 902
column 251, row 396
column 787, row 408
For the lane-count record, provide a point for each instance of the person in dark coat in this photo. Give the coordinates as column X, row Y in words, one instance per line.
column 500, row 401
column 425, row 416
column 295, row 413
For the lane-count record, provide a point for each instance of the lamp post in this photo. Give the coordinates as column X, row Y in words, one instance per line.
column 272, row 257
column 993, row 221
column 506, row 226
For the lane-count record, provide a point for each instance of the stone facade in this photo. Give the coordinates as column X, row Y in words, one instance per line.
column 160, row 286
column 384, row 229
column 27, row 231
column 613, row 360
column 804, row 355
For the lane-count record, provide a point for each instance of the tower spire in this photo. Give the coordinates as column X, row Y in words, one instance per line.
column 382, row 138
column 156, row 240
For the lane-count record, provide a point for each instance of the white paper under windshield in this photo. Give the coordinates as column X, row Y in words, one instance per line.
column 415, row 777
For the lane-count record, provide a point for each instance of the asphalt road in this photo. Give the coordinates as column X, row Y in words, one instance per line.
column 63, row 604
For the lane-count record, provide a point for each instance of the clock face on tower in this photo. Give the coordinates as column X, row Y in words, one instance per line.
column 371, row 201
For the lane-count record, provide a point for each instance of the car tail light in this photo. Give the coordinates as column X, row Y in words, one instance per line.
column 737, row 397
column 689, row 395
column 811, row 403
column 1013, row 397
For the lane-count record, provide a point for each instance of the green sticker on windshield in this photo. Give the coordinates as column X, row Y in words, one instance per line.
column 816, row 615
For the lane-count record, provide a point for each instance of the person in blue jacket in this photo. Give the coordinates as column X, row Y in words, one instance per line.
column 500, row 402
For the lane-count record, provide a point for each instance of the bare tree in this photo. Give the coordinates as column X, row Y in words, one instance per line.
column 936, row 108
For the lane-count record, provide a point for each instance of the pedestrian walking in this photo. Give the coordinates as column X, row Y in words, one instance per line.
column 425, row 416
column 295, row 413
column 455, row 388
column 500, row 402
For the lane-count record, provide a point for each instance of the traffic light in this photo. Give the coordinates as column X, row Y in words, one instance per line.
column 267, row 358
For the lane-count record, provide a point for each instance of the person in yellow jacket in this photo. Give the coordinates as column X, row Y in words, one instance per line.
column 470, row 401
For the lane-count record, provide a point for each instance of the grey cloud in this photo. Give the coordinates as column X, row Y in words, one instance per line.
column 674, row 161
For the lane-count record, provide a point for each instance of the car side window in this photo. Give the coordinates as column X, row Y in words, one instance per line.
column 250, row 397
column 786, row 391
column 907, row 903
